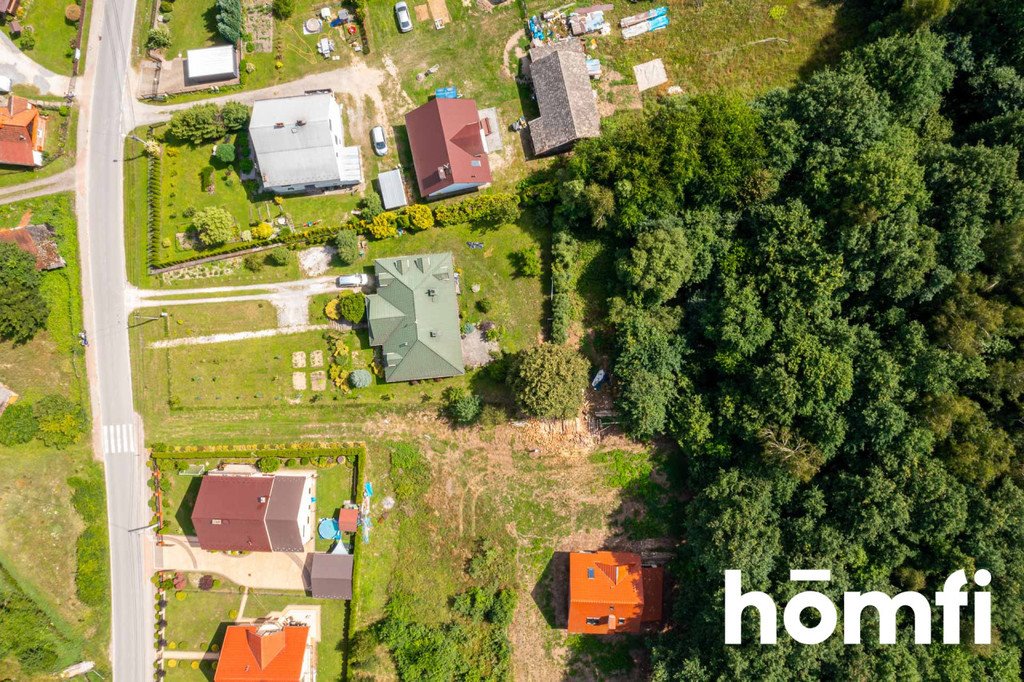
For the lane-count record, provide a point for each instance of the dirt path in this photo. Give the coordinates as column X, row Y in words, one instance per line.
column 237, row 336
column 511, row 44
column 61, row 182
column 357, row 81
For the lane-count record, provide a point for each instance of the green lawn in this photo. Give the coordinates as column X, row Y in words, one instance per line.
column 712, row 47
column 59, row 149
column 38, row 522
column 208, row 318
column 199, row 621
column 54, row 34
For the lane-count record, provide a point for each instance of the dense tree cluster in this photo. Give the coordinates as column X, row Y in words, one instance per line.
column 23, row 310
column 820, row 298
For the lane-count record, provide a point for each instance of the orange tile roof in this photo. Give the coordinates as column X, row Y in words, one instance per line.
column 249, row 656
column 609, row 592
column 19, row 127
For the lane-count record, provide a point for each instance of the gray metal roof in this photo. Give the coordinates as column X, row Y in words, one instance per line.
column 211, row 61
column 299, row 140
column 568, row 109
column 392, row 189
column 330, row 576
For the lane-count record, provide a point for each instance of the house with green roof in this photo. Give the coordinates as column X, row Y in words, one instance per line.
column 414, row 317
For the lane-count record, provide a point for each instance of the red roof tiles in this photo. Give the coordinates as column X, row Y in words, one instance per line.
column 447, row 147
column 248, row 655
column 19, row 132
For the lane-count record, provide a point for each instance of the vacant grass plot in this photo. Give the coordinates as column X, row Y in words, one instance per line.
column 201, row 319
column 198, row 621
column 744, row 46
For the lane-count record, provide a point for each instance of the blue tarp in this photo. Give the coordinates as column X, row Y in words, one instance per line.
column 446, row 93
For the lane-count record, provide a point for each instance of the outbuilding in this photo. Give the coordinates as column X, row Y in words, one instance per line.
column 211, row 64
column 330, row 576
column 392, row 189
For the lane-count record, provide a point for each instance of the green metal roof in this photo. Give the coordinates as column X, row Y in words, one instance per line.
column 414, row 317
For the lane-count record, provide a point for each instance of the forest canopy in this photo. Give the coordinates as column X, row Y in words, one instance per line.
column 820, row 300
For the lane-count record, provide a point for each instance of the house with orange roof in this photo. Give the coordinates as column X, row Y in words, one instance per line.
column 22, row 133
column 267, row 653
column 612, row 592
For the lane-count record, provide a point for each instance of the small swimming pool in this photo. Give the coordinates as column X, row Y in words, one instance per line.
column 328, row 529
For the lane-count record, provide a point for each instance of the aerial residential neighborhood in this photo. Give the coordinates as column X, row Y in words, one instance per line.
column 488, row 340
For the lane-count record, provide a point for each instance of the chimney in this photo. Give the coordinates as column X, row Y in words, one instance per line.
column 279, row 125
column 300, row 122
column 442, row 172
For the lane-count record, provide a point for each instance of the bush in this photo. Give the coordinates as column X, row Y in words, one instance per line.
column 420, row 217
column 493, row 415
column 235, row 116
column 158, row 38
column 91, row 565
column 563, row 254
column 198, row 124
column 27, row 41
column 268, row 465
column 290, row 462
column 180, row 596
column 23, row 310
column 73, row 13
column 60, row 421
column 347, row 244
column 246, row 166
column 371, row 206
column 214, row 225
column 206, row 178
column 283, row 9
column 352, row 306
column 487, row 208
column 484, row 305
column 549, row 381
column 360, row 378
column 206, row 583
column 460, row 405
column 526, row 262
column 263, row 231
column 253, row 262
column 18, row 424
column 279, row 256
column 225, row 153
column 384, row 225
column 229, row 19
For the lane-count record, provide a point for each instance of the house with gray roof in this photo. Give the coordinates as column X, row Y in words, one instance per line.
column 568, row 106
column 414, row 317
column 299, row 145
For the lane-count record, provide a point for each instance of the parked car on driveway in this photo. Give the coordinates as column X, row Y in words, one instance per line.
column 402, row 15
column 380, row 142
column 360, row 280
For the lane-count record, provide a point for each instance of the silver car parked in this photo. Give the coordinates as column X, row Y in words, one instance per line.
column 402, row 14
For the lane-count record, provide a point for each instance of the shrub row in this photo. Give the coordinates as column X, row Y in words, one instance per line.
column 563, row 253
column 91, row 549
column 501, row 207
column 153, row 197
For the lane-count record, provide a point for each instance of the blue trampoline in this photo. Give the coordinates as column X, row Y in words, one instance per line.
column 328, row 529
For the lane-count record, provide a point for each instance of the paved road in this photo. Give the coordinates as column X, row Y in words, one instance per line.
column 21, row 69
column 117, row 430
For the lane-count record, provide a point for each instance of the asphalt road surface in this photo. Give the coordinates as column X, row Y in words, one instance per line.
column 110, row 116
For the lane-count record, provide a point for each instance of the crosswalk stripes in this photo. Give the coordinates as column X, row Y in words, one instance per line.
column 118, row 439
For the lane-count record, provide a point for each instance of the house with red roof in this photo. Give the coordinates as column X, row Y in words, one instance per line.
column 22, row 133
column 254, row 513
column 9, row 7
column 449, row 147
column 268, row 653
column 612, row 592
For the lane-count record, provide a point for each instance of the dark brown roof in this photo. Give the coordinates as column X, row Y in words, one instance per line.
column 285, row 502
column 331, row 576
column 447, row 148
column 229, row 513
column 568, row 110
column 37, row 240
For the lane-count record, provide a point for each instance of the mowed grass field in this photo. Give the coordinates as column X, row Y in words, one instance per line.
column 39, row 525
column 54, row 34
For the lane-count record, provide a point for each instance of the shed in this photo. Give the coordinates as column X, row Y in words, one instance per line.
column 330, row 576
column 568, row 108
column 392, row 189
column 347, row 520
column 211, row 64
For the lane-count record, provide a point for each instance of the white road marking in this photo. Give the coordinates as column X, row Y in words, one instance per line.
column 119, row 439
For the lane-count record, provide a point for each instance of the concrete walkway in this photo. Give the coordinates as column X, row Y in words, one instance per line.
column 192, row 655
column 61, row 182
column 238, row 336
column 290, row 299
column 20, row 69
column 258, row 570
